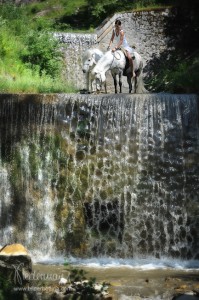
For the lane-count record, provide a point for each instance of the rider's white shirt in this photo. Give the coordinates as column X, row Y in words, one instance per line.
column 125, row 44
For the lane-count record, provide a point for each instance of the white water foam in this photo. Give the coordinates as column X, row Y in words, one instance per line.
column 139, row 264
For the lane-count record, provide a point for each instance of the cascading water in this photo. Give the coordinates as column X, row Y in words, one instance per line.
column 100, row 175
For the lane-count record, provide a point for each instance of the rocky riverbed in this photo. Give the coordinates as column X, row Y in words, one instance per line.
column 127, row 283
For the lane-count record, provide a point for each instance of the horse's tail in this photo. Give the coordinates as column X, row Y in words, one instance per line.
column 140, row 88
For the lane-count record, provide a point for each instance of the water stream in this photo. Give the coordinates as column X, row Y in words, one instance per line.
column 100, row 176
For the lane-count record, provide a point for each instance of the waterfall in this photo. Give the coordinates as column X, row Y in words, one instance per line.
column 100, row 175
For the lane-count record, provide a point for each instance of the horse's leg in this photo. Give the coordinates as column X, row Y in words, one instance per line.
column 91, row 84
column 88, row 81
column 135, row 84
column 115, row 82
column 92, row 81
column 105, row 88
column 120, row 81
column 129, row 83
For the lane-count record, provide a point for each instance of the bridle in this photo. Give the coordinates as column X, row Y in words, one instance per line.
column 94, row 61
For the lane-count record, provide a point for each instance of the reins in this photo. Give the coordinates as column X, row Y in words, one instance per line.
column 114, row 56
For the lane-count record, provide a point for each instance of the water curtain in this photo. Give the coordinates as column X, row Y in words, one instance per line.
column 100, row 175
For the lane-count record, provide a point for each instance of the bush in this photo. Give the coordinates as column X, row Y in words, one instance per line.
column 30, row 57
column 5, row 288
column 42, row 52
column 185, row 77
column 175, row 73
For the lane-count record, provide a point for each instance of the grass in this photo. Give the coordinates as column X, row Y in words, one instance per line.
column 59, row 13
column 30, row 83
column 29, row 63
column 54, row 10
column 17, row 77
column 51, row 8
column 151, row 7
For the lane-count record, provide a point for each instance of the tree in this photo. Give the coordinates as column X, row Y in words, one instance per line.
column 183, row 25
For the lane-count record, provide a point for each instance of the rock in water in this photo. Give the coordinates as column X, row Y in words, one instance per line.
column 15, row 264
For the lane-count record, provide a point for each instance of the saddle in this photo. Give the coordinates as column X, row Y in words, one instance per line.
column 127, row 61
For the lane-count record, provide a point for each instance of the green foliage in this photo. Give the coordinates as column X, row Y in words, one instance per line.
column 77, row 274
column 10, row 45
column 42, row 52
column 176, row 74
column 30, row 58
column 84, row 288
column 29, row 81
column 79, row 14
column 92, row 13
column 183, row 25
column 176, row 70
column 185, row 77
column 101, row 8
column 5, row 288
column 66, row 263
column 139, row 4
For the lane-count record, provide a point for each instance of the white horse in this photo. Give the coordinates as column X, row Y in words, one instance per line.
column 90, row 59
column 117, row 63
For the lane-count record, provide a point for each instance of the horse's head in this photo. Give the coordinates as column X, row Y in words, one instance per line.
column 100, row 78
column 90, row 59
column 89, row 63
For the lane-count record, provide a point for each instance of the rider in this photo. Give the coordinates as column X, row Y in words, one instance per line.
column 121, row 43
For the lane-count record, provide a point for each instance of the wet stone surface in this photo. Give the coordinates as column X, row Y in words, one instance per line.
column 135, row 284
